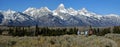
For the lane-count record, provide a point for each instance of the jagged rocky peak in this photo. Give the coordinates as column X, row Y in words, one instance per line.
column 84, row 10
column 29, row 9
column 61, row 9
column 72, row 11
column 45, row 9
column 10, row 11
column 61, row 6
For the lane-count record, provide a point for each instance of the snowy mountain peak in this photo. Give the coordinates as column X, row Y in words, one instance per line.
column 29, row 9
column 10, row 11
column 71, row 11
column 61, row 5
column 84, row 10
column 87, row 13
column 112, row 15
column 61, row 8
column 45, row 9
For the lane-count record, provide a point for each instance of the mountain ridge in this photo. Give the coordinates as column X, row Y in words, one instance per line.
column 58, row 17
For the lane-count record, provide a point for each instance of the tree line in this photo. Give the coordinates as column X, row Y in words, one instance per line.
column 46, row 31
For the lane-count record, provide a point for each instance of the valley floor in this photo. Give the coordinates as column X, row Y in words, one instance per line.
column 109, row 40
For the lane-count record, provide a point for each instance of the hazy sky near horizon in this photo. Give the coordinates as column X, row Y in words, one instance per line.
column 97, row 6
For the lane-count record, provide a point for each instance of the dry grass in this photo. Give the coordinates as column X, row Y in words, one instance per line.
column 59, row 41
column 114, row 37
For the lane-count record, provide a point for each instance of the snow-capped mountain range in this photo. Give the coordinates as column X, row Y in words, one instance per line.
column 59, row 17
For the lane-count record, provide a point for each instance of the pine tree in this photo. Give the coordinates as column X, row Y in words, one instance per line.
column 36, row 30
column 116, row 29
column 1, row 31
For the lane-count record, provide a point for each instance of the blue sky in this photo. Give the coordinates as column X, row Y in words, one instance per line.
column 97, row 6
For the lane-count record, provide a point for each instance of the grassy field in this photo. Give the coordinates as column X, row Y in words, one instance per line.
column 109, row 40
